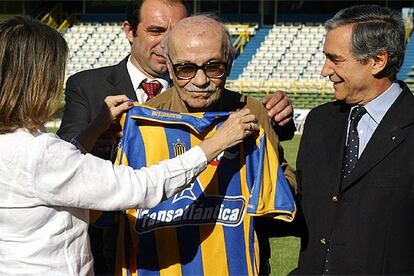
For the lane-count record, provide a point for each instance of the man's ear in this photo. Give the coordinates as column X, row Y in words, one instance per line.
column 170, row 70
column 379, row 62
column 129, row 33
column 229, row 66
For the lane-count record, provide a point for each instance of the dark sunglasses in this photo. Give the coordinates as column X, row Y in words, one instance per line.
column 187, row 71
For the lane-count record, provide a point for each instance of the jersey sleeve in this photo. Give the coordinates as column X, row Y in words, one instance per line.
column 270, row 194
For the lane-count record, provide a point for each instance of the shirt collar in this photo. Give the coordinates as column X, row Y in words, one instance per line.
column 380, row 105
column 137, row 76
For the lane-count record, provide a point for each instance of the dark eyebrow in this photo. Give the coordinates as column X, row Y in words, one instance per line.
column 332, row 56
column 155, row 28
column 205, row 63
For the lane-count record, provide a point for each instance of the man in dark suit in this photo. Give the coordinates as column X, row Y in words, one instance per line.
column 145, row 25
column 356, row 171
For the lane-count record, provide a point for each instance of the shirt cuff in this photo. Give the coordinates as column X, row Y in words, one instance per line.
column 196, row 157
column 78, row 145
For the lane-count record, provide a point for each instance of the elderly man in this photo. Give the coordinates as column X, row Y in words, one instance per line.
column 199, row 55
column 356, row 159
column 145, row 25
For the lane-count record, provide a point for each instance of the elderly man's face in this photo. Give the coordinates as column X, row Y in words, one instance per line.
column 201, row 91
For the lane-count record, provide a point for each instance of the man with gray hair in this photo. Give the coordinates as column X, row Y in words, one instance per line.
column 194, row 241
column 355, row 166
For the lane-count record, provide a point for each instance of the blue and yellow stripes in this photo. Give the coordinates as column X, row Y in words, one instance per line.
column 207, row 229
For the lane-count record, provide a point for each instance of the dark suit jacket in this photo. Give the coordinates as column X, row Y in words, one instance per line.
column 85, row 93
column 368, row 225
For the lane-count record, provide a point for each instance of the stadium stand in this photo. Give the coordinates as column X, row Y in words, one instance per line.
column 93, row 45
column 249, row 50
column 286, row 56
column 96, row 44
column 407, row 70
column 289, row 58
column 288, row 52
column 241, row 34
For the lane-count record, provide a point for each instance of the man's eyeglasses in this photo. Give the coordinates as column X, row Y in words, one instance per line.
column 187, row 71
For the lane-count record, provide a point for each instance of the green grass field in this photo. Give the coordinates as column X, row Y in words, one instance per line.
column 291, row 150
column 285, row 250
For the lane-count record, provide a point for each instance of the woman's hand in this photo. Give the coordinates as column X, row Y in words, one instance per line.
column 238, row 126
column 104, row 130
column 113, row 107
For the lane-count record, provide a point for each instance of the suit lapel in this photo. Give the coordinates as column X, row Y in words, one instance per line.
column 120, row 80
column 335, row 142
column 390, row 133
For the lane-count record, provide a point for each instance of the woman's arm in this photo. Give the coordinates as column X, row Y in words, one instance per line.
column 62, row 176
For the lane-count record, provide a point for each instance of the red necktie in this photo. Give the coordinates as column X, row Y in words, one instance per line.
column 151, row 88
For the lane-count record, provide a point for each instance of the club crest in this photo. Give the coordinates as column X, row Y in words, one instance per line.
column 179, row 147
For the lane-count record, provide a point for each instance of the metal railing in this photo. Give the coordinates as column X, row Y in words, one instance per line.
column 269, row 86
column 57, row 19
column 243, row 36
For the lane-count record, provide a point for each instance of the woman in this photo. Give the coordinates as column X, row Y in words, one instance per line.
column 46, row 184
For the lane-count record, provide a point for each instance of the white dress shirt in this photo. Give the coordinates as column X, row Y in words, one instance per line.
column 47, row 187
column 137, row 77
column 376, row 110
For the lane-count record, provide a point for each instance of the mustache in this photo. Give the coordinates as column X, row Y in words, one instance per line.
column 335, row 79
column 193, row 88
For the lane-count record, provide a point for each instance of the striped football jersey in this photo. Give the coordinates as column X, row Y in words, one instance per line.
column 206, row 229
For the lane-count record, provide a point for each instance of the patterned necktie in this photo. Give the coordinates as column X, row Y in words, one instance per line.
column 151, row 88
column 352, row 149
